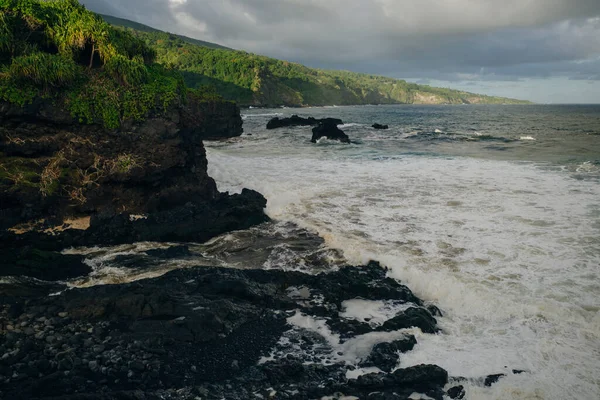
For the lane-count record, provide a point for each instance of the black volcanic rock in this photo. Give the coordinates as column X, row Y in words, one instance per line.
column 379, row 126
column 385, row 355
column 456, row 392
column 190, row 333
column 43, row 265
column 330, row 130
column 295, row 120
column 146, row 180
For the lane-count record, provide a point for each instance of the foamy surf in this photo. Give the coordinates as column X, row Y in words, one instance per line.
column 488, row 241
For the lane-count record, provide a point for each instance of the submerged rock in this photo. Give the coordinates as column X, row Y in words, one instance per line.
column 295, row 120
column 330, row 130
column 385, row 355
column 379, row 126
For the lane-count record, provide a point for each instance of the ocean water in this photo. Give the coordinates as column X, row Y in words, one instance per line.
column 490, row 212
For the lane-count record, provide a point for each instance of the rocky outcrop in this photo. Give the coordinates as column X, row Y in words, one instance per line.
column 295, row 120
column 385, row 356
column 330, row 130
column 380, row 126
column 210, row 120
column 45, row 265
column 198, row 332
column 147, row 180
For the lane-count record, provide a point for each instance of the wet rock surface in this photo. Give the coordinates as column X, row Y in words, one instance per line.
column 385, row 356
column 44, row 265
column 203, row 332
column 329, row 130
column 295, row 120
column 380, row 126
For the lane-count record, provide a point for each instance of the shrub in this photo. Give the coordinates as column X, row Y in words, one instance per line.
column 44, row 69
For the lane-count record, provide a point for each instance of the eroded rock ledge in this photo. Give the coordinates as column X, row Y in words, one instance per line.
column 146, row 181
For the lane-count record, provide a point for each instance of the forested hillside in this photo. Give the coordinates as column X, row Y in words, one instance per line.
column 59, row 50
column 252, row 79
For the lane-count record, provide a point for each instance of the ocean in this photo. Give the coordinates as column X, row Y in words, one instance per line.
column 492, row 213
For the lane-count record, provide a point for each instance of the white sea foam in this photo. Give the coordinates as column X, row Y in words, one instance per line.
column 351, row 351
column 262, row 115
column 510, row 252
column 349, row 125
column 531, row 138
column 374, row 312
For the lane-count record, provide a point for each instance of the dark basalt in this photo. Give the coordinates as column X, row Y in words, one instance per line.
column 53, row 167
column 380, row 126
column 329, row 130
column 491, row 379
column 39, row 264
column 196, row 332
column 193, row 222
column 146, row 181
column 385, row 355
column 295, row 120
column 456, row 392
column 412, row 317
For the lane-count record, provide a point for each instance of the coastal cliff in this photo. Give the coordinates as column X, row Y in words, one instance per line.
column 101, row 145
column 52, row 166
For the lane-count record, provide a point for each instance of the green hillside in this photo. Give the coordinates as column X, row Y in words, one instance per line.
column 145, row 28
column 250, row 79
column 59, row 51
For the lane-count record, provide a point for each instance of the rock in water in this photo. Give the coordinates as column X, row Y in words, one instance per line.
column 385, row 355
column 456, row 392
column 295, row 120
column 330, row 130
column 379, row 126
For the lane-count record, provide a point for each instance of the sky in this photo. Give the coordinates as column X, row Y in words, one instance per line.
column 547, row 51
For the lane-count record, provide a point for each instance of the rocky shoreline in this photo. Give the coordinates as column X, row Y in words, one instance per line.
column 201, row 332
column 195, row 333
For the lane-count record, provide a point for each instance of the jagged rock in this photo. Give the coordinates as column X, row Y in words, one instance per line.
column 193, row 222
column 419, row 317
column 39, row 264
column 456, row 392
column 385, row 355
column 412, row 317
column 491, row 379
column 54, row 167
column 330, row 130
column 379, row 126
column 147, row 335
column 428, row 379
column 295, row 120
column 422, row 378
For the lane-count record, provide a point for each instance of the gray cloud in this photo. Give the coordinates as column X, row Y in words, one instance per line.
column 458, row 40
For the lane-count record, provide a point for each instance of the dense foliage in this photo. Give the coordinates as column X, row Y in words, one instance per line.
column 57, row 49
column 251, row 79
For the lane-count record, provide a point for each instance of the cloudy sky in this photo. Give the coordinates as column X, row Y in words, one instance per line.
column 547, row 51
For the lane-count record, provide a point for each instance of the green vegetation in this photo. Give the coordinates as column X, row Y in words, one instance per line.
column 58, row 50
column 251, row 79
column 125, row 23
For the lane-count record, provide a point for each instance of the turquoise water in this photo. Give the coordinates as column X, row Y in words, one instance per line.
column 491, row 212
